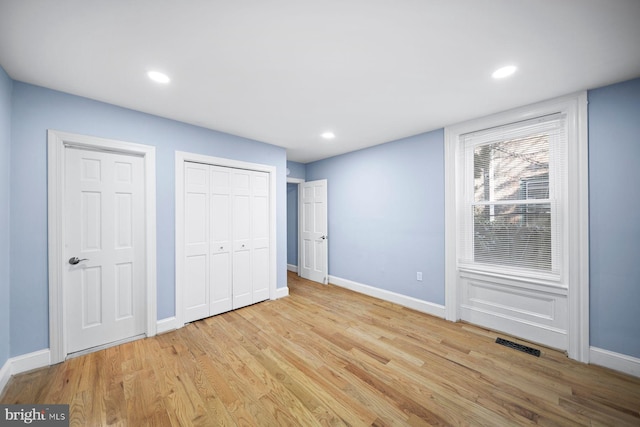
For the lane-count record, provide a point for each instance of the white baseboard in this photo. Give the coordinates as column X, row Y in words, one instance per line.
column 23, row 363
column 282, row 292
column 166, row 325
column 5, row 375
column 292, row 267
column 29, row 361
column 436, row 310
column 616, row 361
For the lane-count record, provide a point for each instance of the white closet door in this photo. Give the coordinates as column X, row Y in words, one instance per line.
column 196, row 237
column 260, row 235
column 221, row 241
column 242, row 289
column 226, row 239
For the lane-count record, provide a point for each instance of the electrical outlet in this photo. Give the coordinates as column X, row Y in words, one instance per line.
column 419, row 276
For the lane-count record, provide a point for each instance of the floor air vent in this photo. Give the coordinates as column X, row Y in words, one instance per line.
column 518, row 347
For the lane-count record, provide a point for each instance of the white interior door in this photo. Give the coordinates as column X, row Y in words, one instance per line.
column 313, row 231
column 105, row 245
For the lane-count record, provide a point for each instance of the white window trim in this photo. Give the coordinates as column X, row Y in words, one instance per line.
column 577, row 229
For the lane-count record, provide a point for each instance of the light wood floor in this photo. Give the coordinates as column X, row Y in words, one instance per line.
column 328, row 356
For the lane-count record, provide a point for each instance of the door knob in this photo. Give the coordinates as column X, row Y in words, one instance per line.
column 324, row 237
column 74, row 260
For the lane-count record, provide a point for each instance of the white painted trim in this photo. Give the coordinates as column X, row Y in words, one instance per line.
column 23, row 363
column 180, row 158
column 616, row 361
column 577, row 227
column 57, row 142
column 5, row 375
column 296, row 181
column 282, row 292
column 450, row 225
column 167, row 325
column 30, row 361
column 436, row 310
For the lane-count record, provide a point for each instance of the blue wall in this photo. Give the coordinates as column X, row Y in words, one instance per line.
column 35, row 110
column 296, row 170
column 6, row 85
column 386, row 206
column 386, row 215
column 614, row 230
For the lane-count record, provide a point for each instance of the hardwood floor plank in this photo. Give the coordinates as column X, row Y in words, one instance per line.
column 329, row 356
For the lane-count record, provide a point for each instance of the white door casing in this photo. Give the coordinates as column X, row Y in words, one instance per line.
column 58, row 228
column 249, row 189
column 312, row 221
column 105, row 229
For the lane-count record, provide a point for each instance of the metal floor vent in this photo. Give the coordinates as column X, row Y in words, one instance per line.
column 519, row 347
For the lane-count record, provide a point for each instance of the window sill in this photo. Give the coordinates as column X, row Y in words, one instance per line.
column 551, row 282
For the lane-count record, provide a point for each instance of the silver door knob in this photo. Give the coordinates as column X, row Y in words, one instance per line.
column 74, row 260
column 324, row 237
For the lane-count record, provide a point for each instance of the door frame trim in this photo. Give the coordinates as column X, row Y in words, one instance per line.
column 57, row 143
column 180, row 158
column 296, row 181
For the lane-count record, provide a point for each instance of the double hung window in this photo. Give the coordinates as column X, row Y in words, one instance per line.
column 513, row 193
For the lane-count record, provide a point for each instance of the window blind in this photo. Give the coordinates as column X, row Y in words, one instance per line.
column 514, row 177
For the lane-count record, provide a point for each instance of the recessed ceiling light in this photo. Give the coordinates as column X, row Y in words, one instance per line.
column 158, row 77
column 503, row 72
column 328, row 135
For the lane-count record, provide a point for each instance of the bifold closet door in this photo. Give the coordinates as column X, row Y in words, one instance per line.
column 226, row 239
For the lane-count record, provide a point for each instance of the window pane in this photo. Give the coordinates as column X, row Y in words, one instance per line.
column 517, row 235
column 516, row 169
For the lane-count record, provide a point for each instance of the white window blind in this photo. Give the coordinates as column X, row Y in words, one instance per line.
column 513, row 182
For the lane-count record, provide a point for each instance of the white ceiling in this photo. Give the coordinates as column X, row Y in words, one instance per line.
column 285, row 71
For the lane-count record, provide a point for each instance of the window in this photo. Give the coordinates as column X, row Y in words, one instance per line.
column 517, row 229
column 512, row 192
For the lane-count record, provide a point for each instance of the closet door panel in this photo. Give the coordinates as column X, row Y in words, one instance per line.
column 242, row 287
column 221, row 242
column 260, row 235
column 196, row 232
